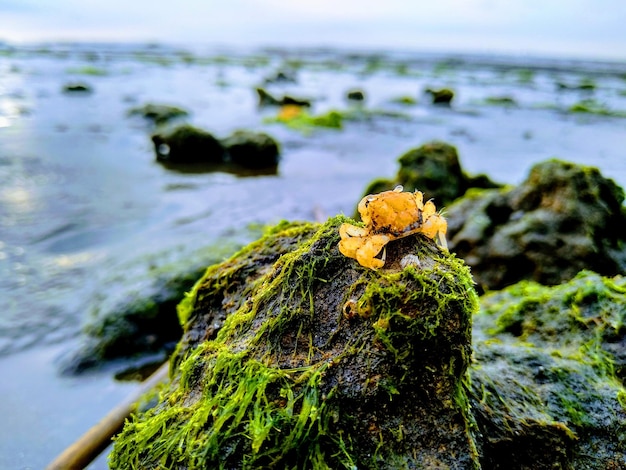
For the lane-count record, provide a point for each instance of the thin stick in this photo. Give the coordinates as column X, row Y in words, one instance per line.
column 91, row 444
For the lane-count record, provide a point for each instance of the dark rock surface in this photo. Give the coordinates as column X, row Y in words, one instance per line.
column 267, row 99
column 564, row 218
column 252, row 149
column 187, row 144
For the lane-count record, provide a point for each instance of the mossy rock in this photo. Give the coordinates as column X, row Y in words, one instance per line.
column 585, row 316
column 564, row 218
column 296, row 357
column 535, row 409
column 158, row 113
column 548, row 381
column 185, row 144
column 435, row 169
column 252, row 149
column 442, row 97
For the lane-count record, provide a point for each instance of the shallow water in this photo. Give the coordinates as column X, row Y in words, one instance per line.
column 81, row 194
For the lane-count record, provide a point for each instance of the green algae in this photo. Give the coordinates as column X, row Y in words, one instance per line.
column 579, row 316
column 405, row 100
column 293, row 380
column 306, row 122
column 591, row 106
column 87, row 70
column 549, row 371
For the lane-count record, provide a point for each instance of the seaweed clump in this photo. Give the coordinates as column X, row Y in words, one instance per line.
column 294, row 356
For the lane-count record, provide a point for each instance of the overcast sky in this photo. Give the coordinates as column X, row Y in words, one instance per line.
column 584, row 28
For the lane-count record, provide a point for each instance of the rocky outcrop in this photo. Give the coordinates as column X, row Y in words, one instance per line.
column 295, row 356
column 267, row 99
column 564, row 218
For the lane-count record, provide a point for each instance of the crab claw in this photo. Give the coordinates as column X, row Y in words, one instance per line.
column 367, row 254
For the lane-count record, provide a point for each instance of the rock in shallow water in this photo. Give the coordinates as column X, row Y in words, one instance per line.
column 295, row 356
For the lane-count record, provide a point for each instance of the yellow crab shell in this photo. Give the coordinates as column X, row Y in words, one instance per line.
column 388, row 216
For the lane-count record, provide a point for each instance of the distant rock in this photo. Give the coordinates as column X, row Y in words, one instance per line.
column 435, row 169
column 187, row 144
column 188, row 147
column 158, row 113
column 281, row 76
column 564, row 218
column 77, row 87
column 443, row 96
column 252, row 149
column 266, row 99
column 355, row 95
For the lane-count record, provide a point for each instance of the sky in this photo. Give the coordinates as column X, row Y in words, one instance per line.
column 554, row 28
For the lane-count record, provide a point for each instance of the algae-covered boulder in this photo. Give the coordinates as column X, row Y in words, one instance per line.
column 252, row 149
column 562, row 219
column 187, row 144
column 296, row 357
column 586, row 314
column 435, row 169
column 547, row 384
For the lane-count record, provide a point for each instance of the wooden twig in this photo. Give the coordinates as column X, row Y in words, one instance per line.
column 91, row 444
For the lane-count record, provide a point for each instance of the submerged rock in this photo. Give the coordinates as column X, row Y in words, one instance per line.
column 295, row 356
column 252, row 149
column 187, row 144
column 433, row 168
column 77, row 87
column 564, row 218
column 355, row 95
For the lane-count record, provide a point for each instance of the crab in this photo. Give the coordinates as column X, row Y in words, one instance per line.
column 388, row 216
